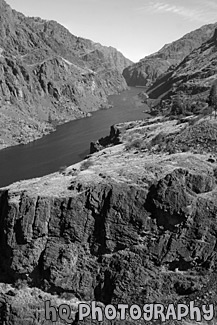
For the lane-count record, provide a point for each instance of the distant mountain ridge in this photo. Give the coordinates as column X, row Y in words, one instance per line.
column 48, row 74
column 192, row 78
column 147, row 70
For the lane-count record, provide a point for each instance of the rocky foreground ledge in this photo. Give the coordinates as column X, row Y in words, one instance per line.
column 135, row 223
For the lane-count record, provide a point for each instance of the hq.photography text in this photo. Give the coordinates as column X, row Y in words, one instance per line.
column 147, row 312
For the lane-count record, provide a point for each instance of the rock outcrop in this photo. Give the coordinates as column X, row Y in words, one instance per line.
column 147, row 70
column 191, row 80
column 128, row 225
column 49, row 76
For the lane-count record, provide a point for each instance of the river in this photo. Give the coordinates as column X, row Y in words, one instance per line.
column 70, row 143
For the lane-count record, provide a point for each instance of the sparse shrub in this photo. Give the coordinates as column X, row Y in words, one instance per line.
column 134, row 143
column 170, row 148
column 193, row 121
column 62, row 170
column 148, row 146
column 49, row 119
column 178, row 106
column 86, row 164
column 215, row 172
column 206, row 111
column 212, row 100
column 158, row 139
column 72, row 172
column 184, row 148
column 21, row 284
column 161, row 147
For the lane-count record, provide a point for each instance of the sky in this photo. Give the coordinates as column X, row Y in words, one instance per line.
column 137, row 28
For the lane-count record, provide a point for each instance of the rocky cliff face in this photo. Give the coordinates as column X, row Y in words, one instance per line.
column 191, row 79
column 134, row 223
column 147, row 70
column 49, row 76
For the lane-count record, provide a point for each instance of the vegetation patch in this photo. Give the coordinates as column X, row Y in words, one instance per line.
column 86, row 164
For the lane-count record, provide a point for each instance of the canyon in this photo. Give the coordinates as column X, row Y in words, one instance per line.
column 49, row 76
column 134, row 222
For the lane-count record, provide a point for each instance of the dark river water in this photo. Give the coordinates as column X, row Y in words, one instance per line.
column 70, row 143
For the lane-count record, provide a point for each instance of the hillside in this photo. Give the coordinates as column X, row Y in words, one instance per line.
column 147, row 70
column 191, row 80
column 49, row 76
column 133, row 223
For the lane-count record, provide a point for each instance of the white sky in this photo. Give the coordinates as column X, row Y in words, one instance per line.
column 135, row 27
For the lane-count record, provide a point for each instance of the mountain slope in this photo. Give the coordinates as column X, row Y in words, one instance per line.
column 192, row 79
column 49, row 75
column 151, row 67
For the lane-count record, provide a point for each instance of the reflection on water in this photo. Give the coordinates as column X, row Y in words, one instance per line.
column 69, row 143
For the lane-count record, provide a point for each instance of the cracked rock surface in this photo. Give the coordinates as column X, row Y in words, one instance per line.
column 127, row 225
